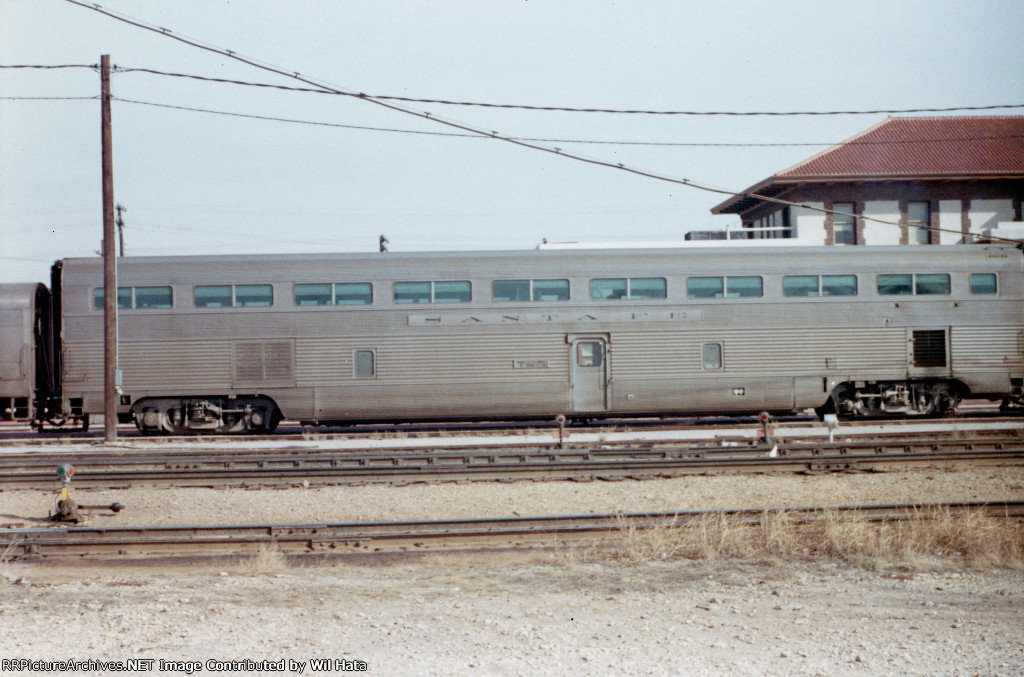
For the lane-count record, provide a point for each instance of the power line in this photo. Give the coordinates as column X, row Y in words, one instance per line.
column 467, row 128
column 546, row 140
column 46, row 67
column 49, row 98
column 566, row 108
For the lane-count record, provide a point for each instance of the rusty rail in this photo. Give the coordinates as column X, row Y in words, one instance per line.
column 419, row 536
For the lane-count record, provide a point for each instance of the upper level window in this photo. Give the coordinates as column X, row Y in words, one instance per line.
column 918, row 231
column 531, row 290
column 983, row 283
column 137, row 297
column 724, row 287
column 907, row 283
column 632, row 288
column 342, row 293
column 844, row 223
column 226, row 295
column 457, row 291
column 819, row 285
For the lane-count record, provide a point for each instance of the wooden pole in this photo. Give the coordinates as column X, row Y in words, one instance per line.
column 109, row 261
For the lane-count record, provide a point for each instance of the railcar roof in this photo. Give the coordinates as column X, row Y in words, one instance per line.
column 731, row 253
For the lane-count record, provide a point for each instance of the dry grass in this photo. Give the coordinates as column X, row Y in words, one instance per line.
column 938, row 539
column 267, row 559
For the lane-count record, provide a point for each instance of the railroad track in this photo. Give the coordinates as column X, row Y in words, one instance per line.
column 607, row 462
column 15, row 435
column 421, row 536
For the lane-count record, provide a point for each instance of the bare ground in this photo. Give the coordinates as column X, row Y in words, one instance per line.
column 550, row 612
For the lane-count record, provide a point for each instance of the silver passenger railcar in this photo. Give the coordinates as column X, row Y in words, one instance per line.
column 25, row 350
column 238, row 342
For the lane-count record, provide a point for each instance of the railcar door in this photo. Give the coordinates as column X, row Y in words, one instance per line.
column 589, row 376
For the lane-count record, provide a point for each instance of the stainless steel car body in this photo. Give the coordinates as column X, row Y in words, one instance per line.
column 486, row 358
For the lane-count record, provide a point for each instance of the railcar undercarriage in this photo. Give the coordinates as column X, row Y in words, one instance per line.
column 206, row 414
column 889, row 398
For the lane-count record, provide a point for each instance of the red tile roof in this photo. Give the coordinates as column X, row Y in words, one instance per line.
column 921, row 147
column 964, row 147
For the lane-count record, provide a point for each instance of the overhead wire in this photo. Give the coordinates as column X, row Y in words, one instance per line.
column 50, row 98
column 568, row 109
column 468, row 128
column 548, row 140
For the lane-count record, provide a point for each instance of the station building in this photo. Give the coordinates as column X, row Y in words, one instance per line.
column 962, row 176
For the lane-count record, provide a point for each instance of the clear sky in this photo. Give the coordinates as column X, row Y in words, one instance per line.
column 201, row 183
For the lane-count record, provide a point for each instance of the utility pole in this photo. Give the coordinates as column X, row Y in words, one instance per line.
column 109, row 260
column 120, row 228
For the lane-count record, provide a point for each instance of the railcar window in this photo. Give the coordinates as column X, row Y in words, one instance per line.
column 530, row 290
column 647, row 288
column 136, row 297
column 838, row 285
column 983, row 283
column 711, row 355
column 589, row 353
column 705, row 287
column 895, row 284
column 511, row 290
column 800, row 285
column 819, row 285
column 353, row 294
column 727, row 287
column 213, row 296
column 254, row 295
column 550, row 290
column 312, row 294
column 456, row 291
column 743, row 287
column 124, row 298
column 628, row 288
column 931, row 284
column 412, row 292
column 364, row 364
column 608, row 289
column 153, row 297
column 919, row 284
column 452, row 292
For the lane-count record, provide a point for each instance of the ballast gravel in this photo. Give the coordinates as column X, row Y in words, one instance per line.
column 515, row 613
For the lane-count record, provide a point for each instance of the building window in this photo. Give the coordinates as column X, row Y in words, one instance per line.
column 363, row 362
column 711, row 355
column 918, row 231
column 983, row 283
column 844, row 223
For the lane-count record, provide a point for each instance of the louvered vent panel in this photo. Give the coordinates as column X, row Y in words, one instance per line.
column 930, row 348
column 264, row 363
column 279, row 362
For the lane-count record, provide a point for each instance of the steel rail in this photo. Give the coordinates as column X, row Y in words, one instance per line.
column 425, row 535
column 433, row 432
column 318, row 467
